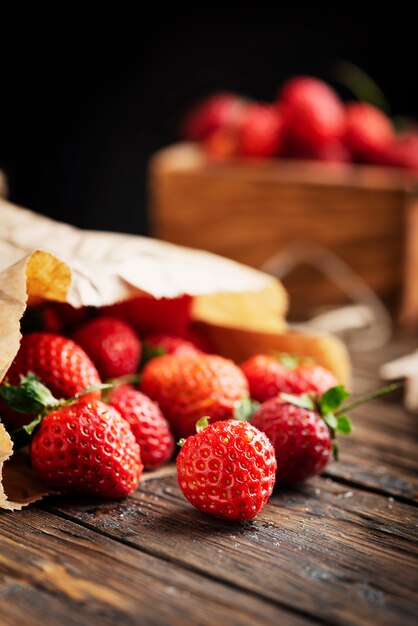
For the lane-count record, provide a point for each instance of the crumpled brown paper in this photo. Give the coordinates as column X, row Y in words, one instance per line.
column 241, row 309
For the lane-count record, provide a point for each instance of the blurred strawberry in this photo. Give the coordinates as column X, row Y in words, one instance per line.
column 151, row 315
column 402, row 152
column 369, row 132
column 111, row 344
column 221, row 144
column 221, row 110
column 41, row 318
column 194, row 334
column 335, row 152
column 261, row 133
column 313, row 114
column 69, row 316
column 157, row 345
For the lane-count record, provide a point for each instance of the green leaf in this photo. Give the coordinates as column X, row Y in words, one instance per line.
column 344, row 425
column 245, row 408
column 361, row 85
column 331, row 421
column 21, row 436
column 335, row 451
column 150, row 351
column 292, row 361
column 332, row 399
column 304, row 400
column 202, row 424
column 181, row 442
column 31, row 396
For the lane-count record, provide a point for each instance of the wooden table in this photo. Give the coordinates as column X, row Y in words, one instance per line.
column 338, row 550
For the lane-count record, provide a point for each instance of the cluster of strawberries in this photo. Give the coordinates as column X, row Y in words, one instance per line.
column 308, row 121
column 273, row 416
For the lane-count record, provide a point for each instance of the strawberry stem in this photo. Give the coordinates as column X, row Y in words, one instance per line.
column 378, row 393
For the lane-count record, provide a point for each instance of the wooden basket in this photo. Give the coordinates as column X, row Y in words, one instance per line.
column 251, row 210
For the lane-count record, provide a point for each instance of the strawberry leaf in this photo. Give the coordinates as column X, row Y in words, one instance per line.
column 335, row 451
column 21, row 436
column 292, row 361
column 245, row 408
column 150, row 351
column 331, row 421
column 31, row 396
column 344, row 425
column 202, row 424
column 304, row 400
column 332, row 399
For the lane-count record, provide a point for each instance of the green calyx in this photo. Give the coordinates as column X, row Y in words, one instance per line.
column 150, row 351
column 31, row 397
column 330, row 406
column 292, row 361
column 200, row 425
column 245, row 408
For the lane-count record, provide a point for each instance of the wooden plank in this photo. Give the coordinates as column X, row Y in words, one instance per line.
column 55, row 572
column 333, row 551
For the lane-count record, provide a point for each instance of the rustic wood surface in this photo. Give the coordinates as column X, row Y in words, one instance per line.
column 340, row 549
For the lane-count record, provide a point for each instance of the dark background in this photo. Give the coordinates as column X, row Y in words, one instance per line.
column 85, row 99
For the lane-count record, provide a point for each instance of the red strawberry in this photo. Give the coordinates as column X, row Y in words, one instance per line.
column 58, row 362
column 111, row 344
column 368, row 131
column 41, row 318
column 301, row 439
column 221, row 144
column 198, row 339
column 80, row 445
column 69, row 315
column 87, row 447
column 221, row 110
column 301, row 429
column 402, row 152
column 152, row 315
column 313, row 114
column 335, row 152
column 227, row 470
column 188, row 387
column 261, row 133
column 269, row 375
column 151, row 429
column 157, row 345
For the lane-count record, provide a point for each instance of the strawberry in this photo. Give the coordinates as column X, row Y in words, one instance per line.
column 368, row 131
column 188, row 387
column 87, row 447
column 149, row 426
column 111, row 344
column 221, row 110
column 41, row 318
column 151, row 315
column 157, row 345
column 313, row 114
column 302, row 429
column 80, row 445
column 261, row 133
column 335, row 152
column 269, row 375
column 227, row 469
column 221, row 144
column 401, row 152
column 59, row 363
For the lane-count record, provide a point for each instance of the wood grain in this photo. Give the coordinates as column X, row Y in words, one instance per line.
column 338, row 550
column 57, row 572
column 313, row 552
